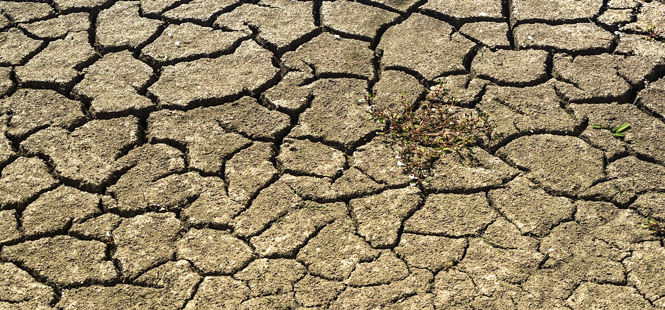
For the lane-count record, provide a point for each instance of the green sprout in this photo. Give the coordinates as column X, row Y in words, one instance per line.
column 617, row 131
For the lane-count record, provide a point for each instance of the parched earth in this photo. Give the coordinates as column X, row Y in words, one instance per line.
column 218, row 154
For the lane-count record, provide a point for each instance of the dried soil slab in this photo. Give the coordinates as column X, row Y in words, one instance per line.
column 34, row 109
column 650, row 16
column 516, row 110
column 485, row 263
column 355, row 18
column 280, row 23
column 378, row 160
column 213, row 205
column 516, row 68
column 569, row 38
column 271, row 276
column 624, row 230
column 305, row 157
column 99, row 228
column 379, row 217
column 25, row 305
column 644, row 266
column 208, row 144
column 453, row 288
column 377, row 297
column 288, row 95
column 651, row 205
column 249, row 171
column 272, row 202
column 530, row 208
column 451, row 215
column 53, row 211
column 465, row 89
column 430, row 252
column 573, row 244
column 490, row 34
column 58, row 27
column 250, row 119
column 582, row 77
column 311, row 187
column 165, row 287
column 6, row 82
column 221, row 292
column 335, row 251
column 112, row 83
column 558, row 10
column 505, row 234
column 154, row 7
column 335, row 99
column 615, row 18
column 635, row 44
column 16, row 47
column 384, row 270
column 622, row 4
column 561, row 164
column 214, row 251
column 653, row 97
column 144, row 241
column 329, row 55
column 628, row 176
column 6, row 148
column 547, row 284
column 400, row 5
column 290, row 232
column 188, row 41
column 283, row 301
column 466, row 9
column 246, row 70
column 645, row 136
column 19, row 286
column 121, row 26
column 313, row 291
column 424, row 301
column 395, row 86
column 353, row 183
column 69, row 5
column 148, row 163
column 440, row 52
column 86, row 155
column 472, row 171
column 203, row 199
column 58, row 63
column 198, row 10
column 82, row 262
column 8, row 226
column 23, row 180
column 25, row 12
column 606, row 296
column 640, row 70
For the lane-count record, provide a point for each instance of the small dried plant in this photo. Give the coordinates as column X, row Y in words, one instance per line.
column 653, row 34
column 426, row 131
column 655, row 226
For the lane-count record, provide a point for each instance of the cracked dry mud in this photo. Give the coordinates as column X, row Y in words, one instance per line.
column 218, row 154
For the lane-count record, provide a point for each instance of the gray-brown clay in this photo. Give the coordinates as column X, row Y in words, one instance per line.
column 219, row 154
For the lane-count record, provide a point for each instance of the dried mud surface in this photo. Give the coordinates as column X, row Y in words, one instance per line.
column 218, row 154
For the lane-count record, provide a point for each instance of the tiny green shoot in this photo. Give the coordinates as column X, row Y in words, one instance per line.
column 617, row 132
